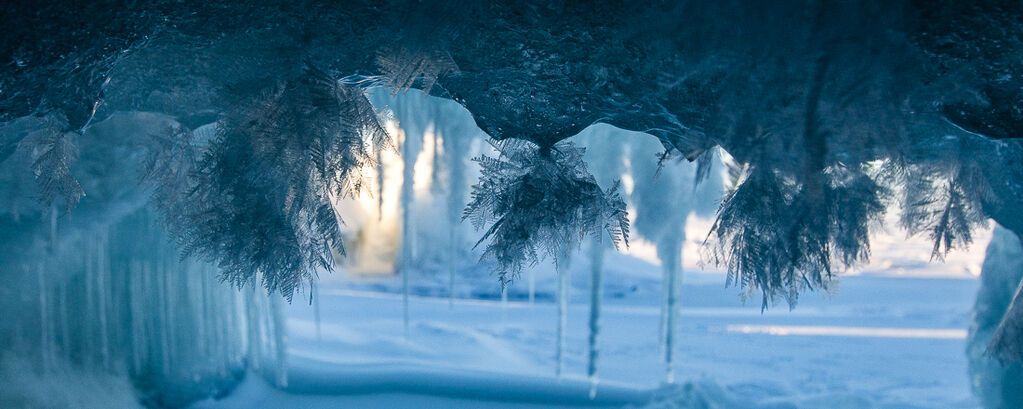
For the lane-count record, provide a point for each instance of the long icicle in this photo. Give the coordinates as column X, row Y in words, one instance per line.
column 562, row 267
column 44, row 320
column 65, row 329
column 103, row 271
column 663, row 323
column 451, row 266
column 596, row 295
column 409, row 160
column 280, row 340
column 672, row 266
column 47, row 333
column 89, row 311
column 456, row 141
column 671, row 255
column 380, row 184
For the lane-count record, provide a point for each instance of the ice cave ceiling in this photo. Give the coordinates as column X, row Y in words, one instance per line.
column 802, row 94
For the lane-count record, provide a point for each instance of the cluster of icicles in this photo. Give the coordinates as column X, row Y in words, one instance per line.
column 664, row 200
column 121, row 300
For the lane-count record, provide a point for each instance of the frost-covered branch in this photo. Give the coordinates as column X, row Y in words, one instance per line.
column 538, row 201
column 775, row 236
column 262, row 199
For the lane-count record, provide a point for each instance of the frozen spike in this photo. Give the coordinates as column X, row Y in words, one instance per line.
column 451, row 265
column 531, row 277
column 596, row 295
column 102, row 273
column 44, row 320
column 409, row 153
column 564, row 282
column 65, row 329
column 315, row 294
column 280, row 341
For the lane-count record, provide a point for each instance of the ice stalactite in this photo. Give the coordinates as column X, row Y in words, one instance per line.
column 314, row 295
column 45, row 338
column 458, row 135
column 102, row 271
column 172, row 300
column 436, row 139
column 413, row 121
column 669, row 251
column 279, row 327
column 417, row 233
column 563, row 264
column 596, row 296
column 118, row 299
column 997, row 385
column 266, row 334
column 438, row 147
column 504, row 302
column 380, row 184
column 531, row 278
column 605, row 157
column 662, row 202
column 452, row 250
column 408, row 155
column 672, row 264
column 662, row 327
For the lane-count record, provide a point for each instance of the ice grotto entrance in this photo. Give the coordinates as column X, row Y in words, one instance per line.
column 439, row 327
column 413, row 316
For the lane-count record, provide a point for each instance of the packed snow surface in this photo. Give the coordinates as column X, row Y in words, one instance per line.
column 873, row 341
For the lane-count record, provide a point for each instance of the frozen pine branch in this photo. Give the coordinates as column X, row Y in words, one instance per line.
column 538, row 201
column 52, row 152
column 943, row 195
column 405, row 68
column 262, row 198
column 776, row 236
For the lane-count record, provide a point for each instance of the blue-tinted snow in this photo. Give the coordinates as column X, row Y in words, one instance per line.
column 480, row 354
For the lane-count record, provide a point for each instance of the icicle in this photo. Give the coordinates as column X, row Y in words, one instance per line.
column 102, row 272
column 456, row 180
column 670, row 253
column 280, row 341
column 380, row 184
column 65, row 330
column 53, row 230
column 596, row 295
column 314, row 292
column 88, row 335
column 564, row 282
column 504, row 301
column 48, row 347
column 169, row 324
column 451, row 265
column 44, row 321
column 160, row 298
column 451, row 256
column 663, row 324
column 202, row 308
column 672, row 313
column 404, row 299
column 407, row 232
column 136, row 293
column 435, row 169
column 531, row 277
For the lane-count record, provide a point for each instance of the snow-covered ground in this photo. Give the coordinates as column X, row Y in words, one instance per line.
column 874, row 341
